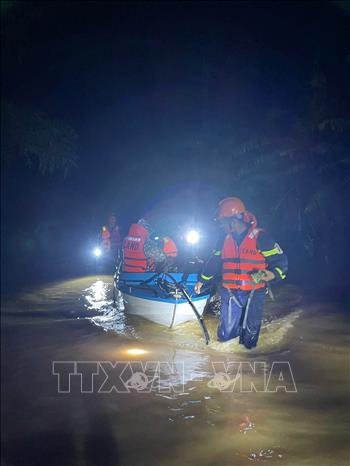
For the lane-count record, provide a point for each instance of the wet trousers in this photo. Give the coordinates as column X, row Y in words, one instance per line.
column 232, row 317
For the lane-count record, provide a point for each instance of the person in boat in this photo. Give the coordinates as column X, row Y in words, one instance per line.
column 110, row 238
column 144, row 251
column 247, row 259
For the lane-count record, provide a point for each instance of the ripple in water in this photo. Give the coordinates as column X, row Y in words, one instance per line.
column 109, row 317
column 277, row 323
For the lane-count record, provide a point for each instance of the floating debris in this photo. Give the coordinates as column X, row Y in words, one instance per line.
column 246, row 426
column 265, row 454
column 191, row 402
column 210, row 423
column 166, row 396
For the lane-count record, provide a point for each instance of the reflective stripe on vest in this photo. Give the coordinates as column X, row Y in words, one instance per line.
column 240, row 261
column 134, row 259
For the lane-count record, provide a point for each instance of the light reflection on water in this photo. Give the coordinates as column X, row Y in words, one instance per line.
column 196, row 426
column 96, row 295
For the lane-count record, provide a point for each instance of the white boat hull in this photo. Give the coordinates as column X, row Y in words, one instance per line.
column 162, row 312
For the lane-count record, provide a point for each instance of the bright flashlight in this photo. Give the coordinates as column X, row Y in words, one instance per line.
column 136, row 352
column 192, row 237
column 97, row 252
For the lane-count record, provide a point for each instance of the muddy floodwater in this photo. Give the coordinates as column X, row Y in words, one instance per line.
column 85, row 384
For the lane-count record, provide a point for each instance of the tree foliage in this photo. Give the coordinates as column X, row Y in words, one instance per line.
column 302, row 172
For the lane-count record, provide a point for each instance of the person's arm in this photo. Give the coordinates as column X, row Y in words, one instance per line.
column 275, row 258
column 211, row 268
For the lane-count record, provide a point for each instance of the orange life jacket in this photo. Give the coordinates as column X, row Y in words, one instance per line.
column 240, row 261
column 134, row 259
column 110, row 238
column 169, row 248
column 105, row 239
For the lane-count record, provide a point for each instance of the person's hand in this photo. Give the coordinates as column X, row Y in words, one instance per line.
column 268, row 276
column 197, row 287
column 262, row 276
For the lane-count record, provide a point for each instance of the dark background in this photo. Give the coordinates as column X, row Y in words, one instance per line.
column 171, row 106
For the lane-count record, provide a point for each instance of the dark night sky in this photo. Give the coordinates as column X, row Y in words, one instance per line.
column 143, row 83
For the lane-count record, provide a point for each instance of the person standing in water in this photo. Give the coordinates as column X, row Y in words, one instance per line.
column 110, row 238
column 248, row 259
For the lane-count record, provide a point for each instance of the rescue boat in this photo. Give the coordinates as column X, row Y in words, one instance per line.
column 164, row 298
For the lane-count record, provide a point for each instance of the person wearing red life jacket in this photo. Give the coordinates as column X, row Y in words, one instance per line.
column 169, row 247
column 110, row 238
column 143, row 252
column 247, row 258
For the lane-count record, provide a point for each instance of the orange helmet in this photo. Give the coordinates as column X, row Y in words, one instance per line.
column 230, row 207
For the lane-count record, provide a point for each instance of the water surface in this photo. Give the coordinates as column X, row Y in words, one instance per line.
column 187, row 417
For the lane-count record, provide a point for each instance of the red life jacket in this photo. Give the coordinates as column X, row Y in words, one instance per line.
column 240, row 261
column 169, row 248
column 110, row 238
column 105, row 239
column 134, row 259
